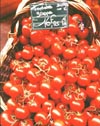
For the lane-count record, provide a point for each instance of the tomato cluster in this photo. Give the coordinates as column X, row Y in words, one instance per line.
column 54, row 81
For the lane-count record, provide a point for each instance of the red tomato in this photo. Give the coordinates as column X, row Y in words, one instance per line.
column 11, row 104
column 36, row 36
column 95, row 74
column 69, row 53
column 62, row 32
column 32, row 87
column 54, row 69
column 8, row 119
column 94, row 51
column 45, row 87
column 57, row 48
column 23, row 40
column 58, row 82
column 7, row 86
column 66, row 97
column 25, row 21
column 33, row 105
column 77, row 105
column 41, row 118
column 96, row 101
column 33, row 75
column 77, row 18
column 18, row 55
column 48, row 40
column 92, row 89
column 57, row 113
column 81, row 53
column 26, row 122
column 82, row 34
column 78, row 120
column 59, row 122
column 84, row 80
column 40, row 97
column 26, row 30
column 94, row 121
column 48, row 105
column 22, row 112
column 38, row 51
column 15, row 91
column 27, row 52
column 73, row 28
column 70, row 76
column 89, row 62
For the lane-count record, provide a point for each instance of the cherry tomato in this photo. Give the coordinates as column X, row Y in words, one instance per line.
column 92, row 89
column 58, row 82
column 82, row 34
column 48, row 40
column 95, row 74
column 58, row 122
column 27, row 52
column 38, row 51
column 36, row 36
column 33, row 75
column 70, row 76
column 77, row 105
column 57, row 48
column 78, row 120
column 26, row 30
column 94, row 51
column 41, row 118
column 69, row 53
column 33, row 105
column 26, row 122
column 48, row 105
column 22, row 112
column 94, row 121
column 8, row 119
column 23, row 40
column 84, row 80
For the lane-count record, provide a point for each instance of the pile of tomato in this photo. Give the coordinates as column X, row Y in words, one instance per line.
column 54, row 79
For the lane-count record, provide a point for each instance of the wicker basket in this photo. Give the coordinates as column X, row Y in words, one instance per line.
column 13, row 45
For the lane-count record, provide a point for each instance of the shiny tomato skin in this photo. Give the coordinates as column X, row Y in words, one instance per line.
column 95, row 74
column 11, row 104
column 94, row 121
column 7, row 119
column 7, row 86
column 77, row 105
column 58, row 82
column 79, row 120
column 48, row 105
column 58, row 122
column 33, row 75
column 84, row 80
column 36, row 36
column 70, row 76
column 23, row 40
column 22, row 112
column 57, row 48
column 92, row 89
column 26, row 122
column 82, row 34
column 69, row 53
column 26, row 30
column 94, row 51
column 41, row 117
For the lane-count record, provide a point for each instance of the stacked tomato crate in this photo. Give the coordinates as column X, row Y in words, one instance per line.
column 51, row 77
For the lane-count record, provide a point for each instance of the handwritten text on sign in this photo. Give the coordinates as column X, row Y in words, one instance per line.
column 49, row 15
